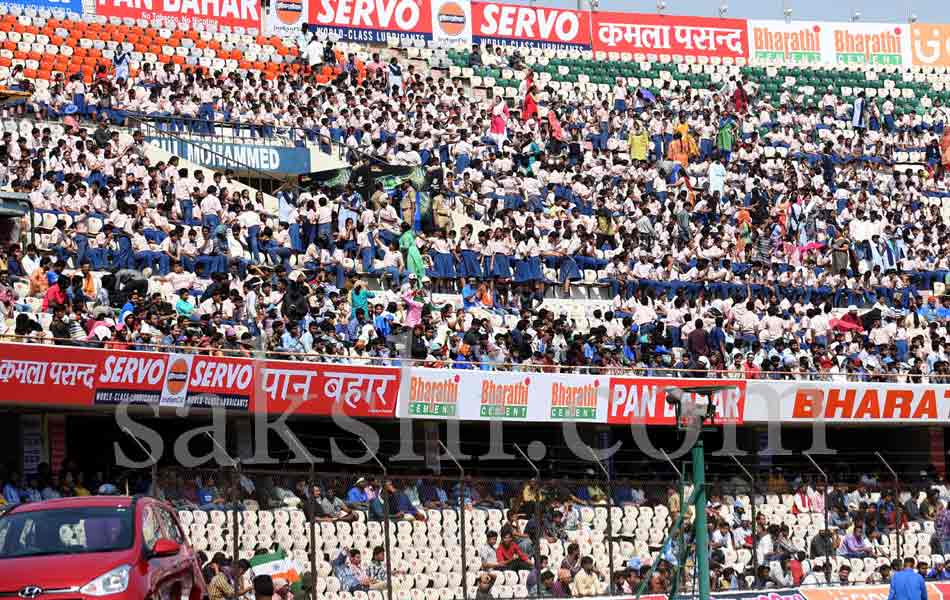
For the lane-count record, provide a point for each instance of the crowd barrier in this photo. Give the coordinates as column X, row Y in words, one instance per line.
column 433, row 551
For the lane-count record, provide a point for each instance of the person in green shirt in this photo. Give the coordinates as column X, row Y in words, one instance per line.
column 407, row 244
column 359, row 299
column 726, row 137
column 183, row 307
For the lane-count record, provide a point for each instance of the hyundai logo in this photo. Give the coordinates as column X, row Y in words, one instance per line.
column 30, row 591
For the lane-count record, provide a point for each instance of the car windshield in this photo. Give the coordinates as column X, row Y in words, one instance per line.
column 66, row 531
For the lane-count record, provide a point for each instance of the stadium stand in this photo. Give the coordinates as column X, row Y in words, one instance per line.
column 584, row 212
column 748, row 198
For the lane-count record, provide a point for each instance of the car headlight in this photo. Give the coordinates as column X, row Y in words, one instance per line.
column 113, row 582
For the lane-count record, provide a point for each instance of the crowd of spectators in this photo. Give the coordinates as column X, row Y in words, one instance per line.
column 717, row 255
column 853, row 520
column 47, row 484
column 234, row 579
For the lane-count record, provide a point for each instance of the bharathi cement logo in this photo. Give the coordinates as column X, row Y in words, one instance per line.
column 434, row 398
column 505, row 400
column 795, row 45
column 574, row 402
column 883, row 47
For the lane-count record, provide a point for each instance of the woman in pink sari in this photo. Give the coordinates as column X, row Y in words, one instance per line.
column 499, row 121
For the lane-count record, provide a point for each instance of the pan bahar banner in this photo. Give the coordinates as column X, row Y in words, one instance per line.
column 231, row 13
column 820, row 42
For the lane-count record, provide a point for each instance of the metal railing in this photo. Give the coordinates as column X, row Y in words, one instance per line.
column 255, row 351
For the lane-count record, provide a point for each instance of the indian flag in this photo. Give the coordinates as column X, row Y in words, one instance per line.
column 275, row 564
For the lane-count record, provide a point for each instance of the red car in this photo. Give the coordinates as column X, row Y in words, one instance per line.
column 107, row 547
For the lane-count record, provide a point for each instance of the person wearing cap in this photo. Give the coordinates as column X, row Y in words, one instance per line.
column 357, row 496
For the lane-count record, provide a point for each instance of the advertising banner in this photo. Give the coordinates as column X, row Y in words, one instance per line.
column 777, row 40
column 804, row 401
column 452, row 22
column 642, row 400
column 525, row 397
column 869, row 43
column 83, row 378
column 813, row 42
column 285, row 18
column 372, row 21
column 930, row 45
column 530, row 26
column 233, row 13
column 213, row 155
column 63, row 376
column 666, row 34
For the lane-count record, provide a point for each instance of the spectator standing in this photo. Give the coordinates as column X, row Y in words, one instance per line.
column 220, row 586
column 942, row 527
column 907, row 584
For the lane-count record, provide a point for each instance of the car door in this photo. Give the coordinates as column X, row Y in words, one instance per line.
column 181, row 567
column 158, row 567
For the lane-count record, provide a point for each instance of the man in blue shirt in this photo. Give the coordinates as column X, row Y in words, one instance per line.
column 907, row 584
column 944, row 311
column 208, row 497
column 291, row 339
column 11, row 491
column 468, row 294
column 929, row 310
column 310, row 336
column 357, row 494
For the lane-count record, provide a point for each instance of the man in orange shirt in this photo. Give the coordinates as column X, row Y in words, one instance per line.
column 38, row 278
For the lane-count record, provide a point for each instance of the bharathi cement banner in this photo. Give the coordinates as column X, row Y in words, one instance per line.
column 822, row 42
column 503, row 396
